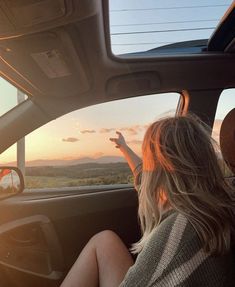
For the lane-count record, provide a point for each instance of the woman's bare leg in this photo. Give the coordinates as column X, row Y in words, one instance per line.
column 103, row 262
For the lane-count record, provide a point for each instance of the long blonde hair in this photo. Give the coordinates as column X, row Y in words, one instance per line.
column 179, row 162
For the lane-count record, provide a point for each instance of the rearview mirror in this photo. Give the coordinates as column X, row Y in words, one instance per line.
column 11, row 181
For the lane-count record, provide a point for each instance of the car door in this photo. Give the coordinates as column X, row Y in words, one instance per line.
column 43, row 232
column 69, row 199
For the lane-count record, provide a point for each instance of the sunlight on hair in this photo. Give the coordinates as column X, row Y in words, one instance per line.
column 181, row 171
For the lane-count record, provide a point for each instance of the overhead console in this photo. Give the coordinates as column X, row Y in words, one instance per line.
column 223, row 39
column 30, row 16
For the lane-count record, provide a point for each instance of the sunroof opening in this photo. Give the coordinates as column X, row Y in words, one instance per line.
column 163, row 26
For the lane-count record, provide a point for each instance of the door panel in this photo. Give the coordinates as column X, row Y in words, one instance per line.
column 42, row 233
column 30, row 244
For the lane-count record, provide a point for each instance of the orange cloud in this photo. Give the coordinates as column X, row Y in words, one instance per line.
column 70, row 140
column 137, row 142
column 146, row 126
column 88, row 131
column 98, row 154
column 133, row 130
column 105, row 130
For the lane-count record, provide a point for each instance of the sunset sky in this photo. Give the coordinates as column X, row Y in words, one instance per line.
column 86, row 133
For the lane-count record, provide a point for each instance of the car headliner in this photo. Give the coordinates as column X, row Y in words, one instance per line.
column 93, row 75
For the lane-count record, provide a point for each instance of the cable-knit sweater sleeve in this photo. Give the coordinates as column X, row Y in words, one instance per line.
column 149, row 263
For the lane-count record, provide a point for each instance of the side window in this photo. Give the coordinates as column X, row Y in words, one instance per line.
column 225, row 105
column 75, row 150
column 10, row 97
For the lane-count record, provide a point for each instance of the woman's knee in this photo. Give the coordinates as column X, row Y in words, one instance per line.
column 110, row 249
column 106, row 238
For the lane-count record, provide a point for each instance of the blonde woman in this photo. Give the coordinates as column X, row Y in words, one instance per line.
column 186, row 211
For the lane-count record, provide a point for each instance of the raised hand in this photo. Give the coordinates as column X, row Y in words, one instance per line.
column 119, row 141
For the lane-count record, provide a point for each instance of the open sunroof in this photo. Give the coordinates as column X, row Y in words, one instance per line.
column 163, row 26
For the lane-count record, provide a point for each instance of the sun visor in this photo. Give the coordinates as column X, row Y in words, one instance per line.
column 48, row 60
column 5, row 24
column 223, row 37
column 28, row 13
column 23, row 17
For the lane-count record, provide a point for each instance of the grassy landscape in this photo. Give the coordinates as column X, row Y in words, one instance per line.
column 78, row 175
column 86, row 174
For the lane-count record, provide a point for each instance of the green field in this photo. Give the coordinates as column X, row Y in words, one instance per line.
column 83, row 175
column 78, row 175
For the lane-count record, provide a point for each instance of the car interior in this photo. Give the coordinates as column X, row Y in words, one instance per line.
column 59, row 54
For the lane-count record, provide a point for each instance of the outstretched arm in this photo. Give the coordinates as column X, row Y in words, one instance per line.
column 132, row 158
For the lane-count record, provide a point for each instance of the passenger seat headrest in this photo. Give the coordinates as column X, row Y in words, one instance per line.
column 227, row 139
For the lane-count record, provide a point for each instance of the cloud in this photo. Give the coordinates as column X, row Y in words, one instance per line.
column 98, row 154
column 137, row 142
column 146, row 126
column 70, row 140
column 88, row 131
column 105, row 130
column 132, row 130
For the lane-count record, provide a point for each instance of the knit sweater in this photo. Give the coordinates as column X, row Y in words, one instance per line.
column 173, row 256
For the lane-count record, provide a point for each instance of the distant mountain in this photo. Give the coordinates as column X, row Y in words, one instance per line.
column 59, row 162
